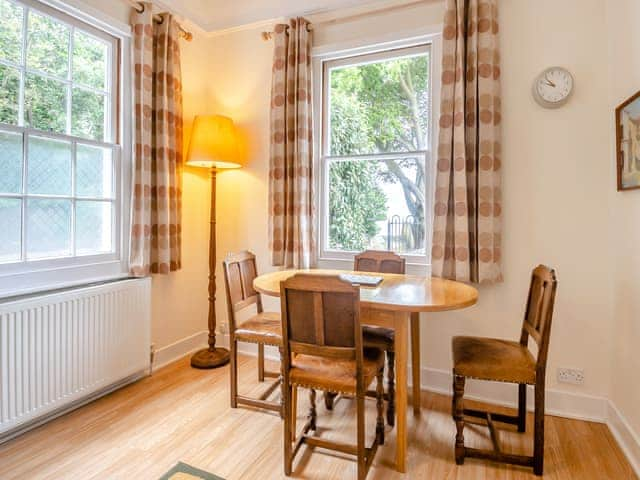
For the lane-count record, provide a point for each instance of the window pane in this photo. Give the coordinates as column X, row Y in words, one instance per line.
column 89, row 61
column 10, row 226
column 93, row 171
column 47, row 45
column 9, row 94
column 45, row 104
column 10, row 162
column 379, row 107
column 87, row 114
column 10, row 31
column 49, row 170
column 93, row 227
column 377, row 205
column 48, row 228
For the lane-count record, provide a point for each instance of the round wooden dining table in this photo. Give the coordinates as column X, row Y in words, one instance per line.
column 390, row 304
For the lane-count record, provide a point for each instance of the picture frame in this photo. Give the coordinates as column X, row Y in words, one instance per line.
column 628, row 144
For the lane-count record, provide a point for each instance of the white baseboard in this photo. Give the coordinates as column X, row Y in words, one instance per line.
column 626, row 437
column 558, row 403
column 179, row 349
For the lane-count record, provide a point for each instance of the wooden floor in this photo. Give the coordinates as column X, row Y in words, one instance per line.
column 182, row 414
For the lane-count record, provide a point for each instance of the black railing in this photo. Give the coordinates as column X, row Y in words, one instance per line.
column 404, row 234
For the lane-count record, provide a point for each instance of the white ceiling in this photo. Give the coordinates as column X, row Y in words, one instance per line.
column 216, row 15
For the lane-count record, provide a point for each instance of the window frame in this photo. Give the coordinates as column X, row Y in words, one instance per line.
column 363, row 52
column 28, row 276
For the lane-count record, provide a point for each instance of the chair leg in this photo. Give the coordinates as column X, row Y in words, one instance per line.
column 538, row 434
column 294, row 412
column 288, row 460
column 261, row 362
column 362, row 467
column 522, row 407
column 391, row 388
column 329, row 398
column 380, row 407
column 313, row 414
column 233, row 356
column 458, row 414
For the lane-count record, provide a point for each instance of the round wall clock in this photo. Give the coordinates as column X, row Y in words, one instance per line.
column 553, row 87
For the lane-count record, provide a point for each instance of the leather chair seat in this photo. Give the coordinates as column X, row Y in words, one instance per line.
column 493, row 359
column 333, row 375
column 378, row 337
column 264, row 328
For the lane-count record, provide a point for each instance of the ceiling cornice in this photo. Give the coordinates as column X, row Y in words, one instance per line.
column 317, row 16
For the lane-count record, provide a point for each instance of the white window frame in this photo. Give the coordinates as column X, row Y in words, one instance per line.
column 375, row 49
column 47, row 274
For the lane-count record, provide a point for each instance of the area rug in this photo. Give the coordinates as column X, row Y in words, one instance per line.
column 182, row 471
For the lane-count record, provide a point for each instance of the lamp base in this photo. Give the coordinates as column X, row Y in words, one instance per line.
column 210, row 358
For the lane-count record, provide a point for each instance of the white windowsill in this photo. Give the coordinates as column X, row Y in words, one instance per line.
column 422, row 269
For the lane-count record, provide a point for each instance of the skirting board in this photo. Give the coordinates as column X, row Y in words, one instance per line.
column 559, row 403
column 166, row 355
column 626, row 437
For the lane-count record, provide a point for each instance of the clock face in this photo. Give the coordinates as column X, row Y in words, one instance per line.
column 553, row 87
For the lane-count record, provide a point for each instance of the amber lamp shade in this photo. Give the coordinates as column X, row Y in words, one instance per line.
column 213, row 145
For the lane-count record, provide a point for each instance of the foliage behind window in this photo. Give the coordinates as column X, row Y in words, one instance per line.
column 379, row 127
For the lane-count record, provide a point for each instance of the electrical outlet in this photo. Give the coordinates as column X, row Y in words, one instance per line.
column 571, row 375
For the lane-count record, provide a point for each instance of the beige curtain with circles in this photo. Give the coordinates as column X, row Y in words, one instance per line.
column 467, row 233
column 157, row 177
column 291, row 208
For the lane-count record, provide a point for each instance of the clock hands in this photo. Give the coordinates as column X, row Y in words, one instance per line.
column 549, row 82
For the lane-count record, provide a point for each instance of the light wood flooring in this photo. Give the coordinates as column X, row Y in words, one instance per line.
column 183, row 414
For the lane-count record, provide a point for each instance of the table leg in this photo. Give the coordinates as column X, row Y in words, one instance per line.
column 401, row 340
column 415, row 361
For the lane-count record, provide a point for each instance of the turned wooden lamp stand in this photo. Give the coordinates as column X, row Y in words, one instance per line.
column 213, row 145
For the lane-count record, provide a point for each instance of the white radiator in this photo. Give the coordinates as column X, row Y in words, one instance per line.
column 59, row 348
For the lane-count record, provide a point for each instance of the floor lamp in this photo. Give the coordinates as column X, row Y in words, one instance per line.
column 214, row 146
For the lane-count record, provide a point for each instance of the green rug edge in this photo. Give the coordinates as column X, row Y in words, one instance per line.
column 181, row 467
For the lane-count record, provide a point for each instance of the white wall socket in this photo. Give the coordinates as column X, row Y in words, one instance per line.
column 571, row 375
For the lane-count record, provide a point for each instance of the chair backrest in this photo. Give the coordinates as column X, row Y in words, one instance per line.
column 539, row 312
column 320, row 317
column 380, row 261
column 239, row 272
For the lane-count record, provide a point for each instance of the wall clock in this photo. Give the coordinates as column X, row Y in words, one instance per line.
column 553, row 87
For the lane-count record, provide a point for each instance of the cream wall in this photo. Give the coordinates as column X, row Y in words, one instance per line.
column 624, row 55
column 556, row 173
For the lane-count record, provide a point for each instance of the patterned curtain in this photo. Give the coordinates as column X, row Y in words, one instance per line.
column 468, row 219
column 157, row 177
column 291, row 210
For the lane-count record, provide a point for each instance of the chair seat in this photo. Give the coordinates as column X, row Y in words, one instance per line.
column 378, row 337
column 263, row 328
column 333, row 375
column 493, row 359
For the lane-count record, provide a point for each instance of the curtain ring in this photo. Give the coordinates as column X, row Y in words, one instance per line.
column 161, row 21
column 141, row 5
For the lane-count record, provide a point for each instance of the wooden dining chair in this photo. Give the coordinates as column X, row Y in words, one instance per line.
column 512, row 362
column 322, row 350
column 263, row 328
column 387, row 262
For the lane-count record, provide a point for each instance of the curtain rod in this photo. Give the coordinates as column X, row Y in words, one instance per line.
column 139, row 7
column 269, row 35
